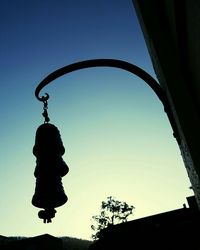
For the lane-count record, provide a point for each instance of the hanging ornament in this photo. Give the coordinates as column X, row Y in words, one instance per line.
column 49, row 170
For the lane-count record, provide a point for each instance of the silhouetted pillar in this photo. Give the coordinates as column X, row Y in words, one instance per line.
column 171, row 31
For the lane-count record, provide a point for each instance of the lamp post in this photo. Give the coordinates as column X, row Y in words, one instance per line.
column 48, row 147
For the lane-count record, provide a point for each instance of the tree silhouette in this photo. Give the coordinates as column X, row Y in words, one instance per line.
column 112, row 212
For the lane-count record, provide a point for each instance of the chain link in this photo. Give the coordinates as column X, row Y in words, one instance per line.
column 45, row 113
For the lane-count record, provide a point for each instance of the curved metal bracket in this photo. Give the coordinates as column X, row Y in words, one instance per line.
column 100, row 63
column 115, row 64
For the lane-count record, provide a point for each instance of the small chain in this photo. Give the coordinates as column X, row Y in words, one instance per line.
column 45, row 113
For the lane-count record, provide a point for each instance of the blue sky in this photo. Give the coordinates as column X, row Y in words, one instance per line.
column 118, row 139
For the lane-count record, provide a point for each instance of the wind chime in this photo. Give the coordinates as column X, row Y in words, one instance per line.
column 49, row 149
column 50, row 168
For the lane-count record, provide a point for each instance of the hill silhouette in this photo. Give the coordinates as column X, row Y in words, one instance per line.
column 45, row 241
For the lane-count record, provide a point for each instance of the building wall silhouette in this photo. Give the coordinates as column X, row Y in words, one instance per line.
column 166, row 230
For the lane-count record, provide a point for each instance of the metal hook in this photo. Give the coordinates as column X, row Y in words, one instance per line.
column 155, row 86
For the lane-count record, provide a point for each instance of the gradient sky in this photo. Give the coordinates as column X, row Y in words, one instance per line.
column 118, row 139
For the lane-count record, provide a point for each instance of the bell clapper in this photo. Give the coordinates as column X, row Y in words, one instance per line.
column 47, row 214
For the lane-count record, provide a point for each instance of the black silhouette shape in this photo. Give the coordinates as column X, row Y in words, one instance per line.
column 49, row 170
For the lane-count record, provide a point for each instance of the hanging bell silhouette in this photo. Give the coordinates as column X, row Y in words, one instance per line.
column 49, row 170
